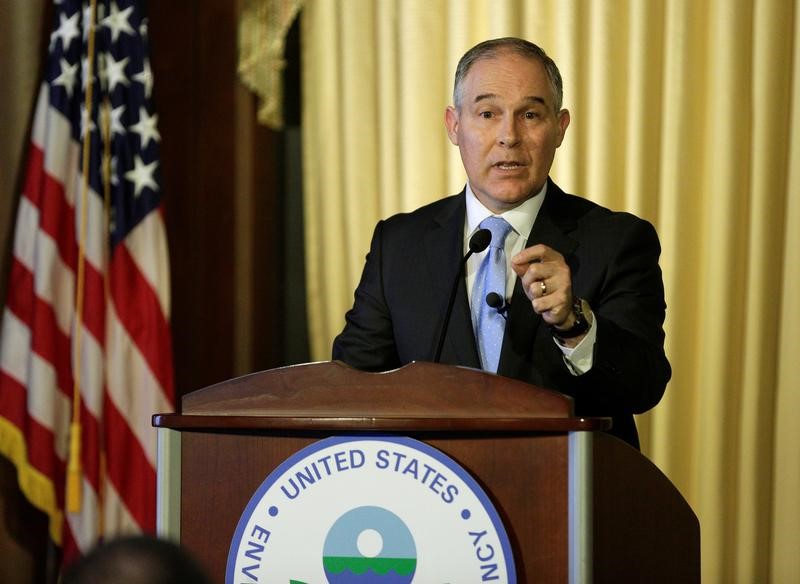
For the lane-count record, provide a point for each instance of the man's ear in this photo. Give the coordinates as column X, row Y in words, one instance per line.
column 563, row 123
column 451, row 123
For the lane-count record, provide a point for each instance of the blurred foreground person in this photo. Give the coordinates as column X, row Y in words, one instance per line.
column 136, row 560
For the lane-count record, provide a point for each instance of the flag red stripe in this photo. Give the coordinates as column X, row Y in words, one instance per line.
column 140, row 313
column 90, row 447
column 94, row 303
column 13, row 401
column 34, row 174
column 52, row 344
column 20, row 299
column 41, row 456
column 47, row 339
column 69, row 547
column 56, row 215
column 129, row 470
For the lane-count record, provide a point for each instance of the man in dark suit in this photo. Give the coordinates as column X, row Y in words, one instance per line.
column 583, row 305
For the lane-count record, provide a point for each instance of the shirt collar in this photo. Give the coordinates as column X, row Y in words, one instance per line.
column 521, row 217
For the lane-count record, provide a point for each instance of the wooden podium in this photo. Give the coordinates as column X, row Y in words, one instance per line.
column 578, row 504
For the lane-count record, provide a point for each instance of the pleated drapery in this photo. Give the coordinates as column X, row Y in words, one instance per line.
column 263, row 25
column 684, row 112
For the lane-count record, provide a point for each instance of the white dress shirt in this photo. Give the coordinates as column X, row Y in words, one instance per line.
column 521, row 219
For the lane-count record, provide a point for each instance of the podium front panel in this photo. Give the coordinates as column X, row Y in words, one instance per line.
column 525, row 476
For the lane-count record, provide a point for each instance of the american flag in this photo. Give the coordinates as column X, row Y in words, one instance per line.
column 85, row 354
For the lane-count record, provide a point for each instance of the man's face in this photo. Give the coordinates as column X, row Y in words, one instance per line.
column 507, row 129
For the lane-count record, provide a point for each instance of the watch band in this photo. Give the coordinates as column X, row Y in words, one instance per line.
column 580, row 326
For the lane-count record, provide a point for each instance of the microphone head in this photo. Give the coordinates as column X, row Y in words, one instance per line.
column 480, row 240
column 494, row 300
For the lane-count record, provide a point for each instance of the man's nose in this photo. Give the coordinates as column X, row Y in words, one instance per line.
column 509, row 133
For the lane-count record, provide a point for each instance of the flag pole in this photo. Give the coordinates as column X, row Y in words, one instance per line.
column 105, row 132
column 74, row 467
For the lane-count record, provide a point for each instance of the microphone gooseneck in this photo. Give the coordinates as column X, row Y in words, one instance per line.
column 477, row 243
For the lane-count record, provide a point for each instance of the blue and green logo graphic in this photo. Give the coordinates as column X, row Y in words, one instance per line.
column 369, row 544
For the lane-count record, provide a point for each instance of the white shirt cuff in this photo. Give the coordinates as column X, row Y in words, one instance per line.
column 579, row 359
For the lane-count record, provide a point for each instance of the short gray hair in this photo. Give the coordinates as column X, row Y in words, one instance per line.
column 491, row 48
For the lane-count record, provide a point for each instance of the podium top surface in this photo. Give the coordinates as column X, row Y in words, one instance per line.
column 421, row 396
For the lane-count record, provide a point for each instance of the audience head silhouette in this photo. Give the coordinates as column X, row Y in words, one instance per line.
column 136, row 560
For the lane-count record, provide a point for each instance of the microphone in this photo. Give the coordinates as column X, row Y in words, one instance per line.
column 477, row 243
column 494, row 300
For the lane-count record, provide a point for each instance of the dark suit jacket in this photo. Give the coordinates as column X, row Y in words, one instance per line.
column 413, row 259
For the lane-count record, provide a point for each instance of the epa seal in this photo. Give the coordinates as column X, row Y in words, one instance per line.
column 369, row 544
column 369, row 509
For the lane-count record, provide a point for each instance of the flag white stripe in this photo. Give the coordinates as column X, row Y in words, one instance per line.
column 147, row 244
column 39, row 129
column 96, row 234
column 25, row 236
column 116, row 517
column 132, row 387
column 54, row 282
column 53, row 135
column 84, row 525
column 15, row 348
column 92, row 363
column 62, row 164
column 47, row 405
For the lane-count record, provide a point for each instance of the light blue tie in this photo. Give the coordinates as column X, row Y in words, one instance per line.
column 488, row 323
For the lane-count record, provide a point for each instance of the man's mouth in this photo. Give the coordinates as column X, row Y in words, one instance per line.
column 508, row 165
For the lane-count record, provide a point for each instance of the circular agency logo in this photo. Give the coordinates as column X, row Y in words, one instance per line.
column 369, row 544
column 369, row 509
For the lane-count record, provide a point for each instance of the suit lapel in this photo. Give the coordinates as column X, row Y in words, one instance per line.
column 550, row 228
column 553, row 225
column 444, row 249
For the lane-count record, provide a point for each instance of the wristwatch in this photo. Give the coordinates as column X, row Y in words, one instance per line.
column 579, row 327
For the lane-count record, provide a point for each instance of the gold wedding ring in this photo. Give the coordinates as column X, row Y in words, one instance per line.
column 543, row 287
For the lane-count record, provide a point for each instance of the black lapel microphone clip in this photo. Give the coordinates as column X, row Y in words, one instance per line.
column 494, row 300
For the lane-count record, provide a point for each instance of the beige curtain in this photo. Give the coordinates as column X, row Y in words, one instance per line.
column 685, row 112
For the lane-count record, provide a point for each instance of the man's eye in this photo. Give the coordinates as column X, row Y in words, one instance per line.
column 531, row 115
column 486, row 115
